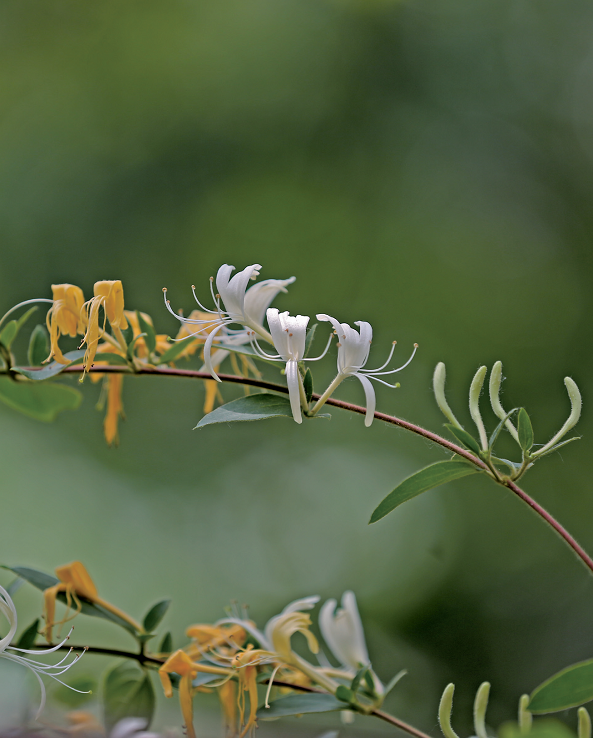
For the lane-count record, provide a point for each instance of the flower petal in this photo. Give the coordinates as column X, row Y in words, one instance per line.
column 371, row 401
column 292, row 380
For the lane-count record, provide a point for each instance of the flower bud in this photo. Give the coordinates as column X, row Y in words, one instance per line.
column 438, row 384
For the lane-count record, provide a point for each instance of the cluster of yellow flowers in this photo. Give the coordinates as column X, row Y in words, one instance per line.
column 70, row 315
column 232, row 655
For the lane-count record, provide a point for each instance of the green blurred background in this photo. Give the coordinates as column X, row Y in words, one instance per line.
column 423, row 166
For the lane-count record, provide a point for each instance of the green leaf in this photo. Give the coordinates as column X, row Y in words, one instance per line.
column 84, row 683
column 154, row 616
column 543, row 728
column 166, row 644
column 252, row 407
column 51, row 370
column 394, row 680
column 300, row 704
column 128, row 334
column 38, row 346
column 308, row 385
column 178, row 347
column 42, row 402
column 111, row 359
column 421, row 481
column 559, row 445
column 43, row 581
column 499, row 427
column 568, row 688
column 345, row 693
column 11, row 329
column 8, row 333
column 309, row 338
column 29, row 635
column 133, row 342
column 203, row 678
column 462, row 435
column 525, row 430
column 355, row 684
column 127, row 692
column 146, row 327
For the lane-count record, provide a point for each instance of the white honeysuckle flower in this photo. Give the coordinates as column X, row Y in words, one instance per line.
column 343, row 632
column 289, row 336
column 353, row 353
column 244, row 306
column 38, row 668
column 131, row 727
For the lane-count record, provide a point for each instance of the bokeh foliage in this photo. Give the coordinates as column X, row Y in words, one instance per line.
column 424, row 166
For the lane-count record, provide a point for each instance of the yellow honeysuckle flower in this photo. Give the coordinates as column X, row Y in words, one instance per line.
column 227, row 694
column 209, row 637
column 246, row 665
column 64, row 317
column 75, row 582
column 182, row 664
column 109, row 295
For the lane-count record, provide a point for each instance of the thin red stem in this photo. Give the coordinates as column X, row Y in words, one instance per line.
column 560, row 530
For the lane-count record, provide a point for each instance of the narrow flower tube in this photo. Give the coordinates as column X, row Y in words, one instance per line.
column 499, row 411
column 576, row 404
column 445, row 709
column 474, row 404
column 480, row 706
column 438, row 384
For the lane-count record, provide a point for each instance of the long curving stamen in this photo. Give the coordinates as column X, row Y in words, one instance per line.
column 44, row 650
column 205, row 309
column 181, row 319
column 329, row 340
column 269, row 689
column 259, row 350
column 392, row 371
column 393, row 345
column 382, row 381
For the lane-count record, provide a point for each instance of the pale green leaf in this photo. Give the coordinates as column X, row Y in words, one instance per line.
column 300, row 704
column 42, row 402
column 252, row 407
column 127, row 692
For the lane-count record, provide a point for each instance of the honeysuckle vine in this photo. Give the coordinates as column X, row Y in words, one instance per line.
column 233, row 656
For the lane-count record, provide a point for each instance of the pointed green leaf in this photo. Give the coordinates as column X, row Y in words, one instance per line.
column 177, row 348
column 421, row 481
column 110, row 358
column 462, row 435
column 147, row 328
column 127, row 692
column 345, row 693
column 128, row 334
column 568, row 688
column 132, row 344
column 309, row 339
column 308, row 384
column 11, row 329
column 252, row 407
column 51, row 370
column 499, row 427
column 154, row 616
column 43, row 581
column 38, row 346
column 29, row 635
column 559, row 445
column 394, row 680
column 166, row 644
column 42, row 402
column 360, row 674
column 524, row 430
column 300, row 704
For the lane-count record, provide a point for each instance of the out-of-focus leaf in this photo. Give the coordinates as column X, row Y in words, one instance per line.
column 38, row 346
column 300, row 704
column 51, row 370
column 462, row 435
column 177, row 348
column 166, row 644
column 568, row 688
column 394, row 680
column 524, row 430
column 127, row 692
column 133, row 342
column 146, row 327
column 309, row 339
column 42, row 402
column 43, row 581
column 29, row 635
column 12, row 328
column 421, row 481
column 496, row 432
column 252, row 407
column 203, row 678
column 128, row 334
column 544, row 728
column 112, row 359
column 345, row 693
column 154, row 616
column 308, row 385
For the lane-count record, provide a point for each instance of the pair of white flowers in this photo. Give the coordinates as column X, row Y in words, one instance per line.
column 341, row 628
column 287, row 334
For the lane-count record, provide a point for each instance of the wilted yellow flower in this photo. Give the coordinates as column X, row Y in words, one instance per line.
column 115, row 408
column 108, row 295
column 75, row 581
column 64, row 317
